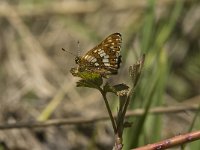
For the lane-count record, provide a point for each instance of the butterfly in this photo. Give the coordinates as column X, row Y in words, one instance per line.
column 104, row 59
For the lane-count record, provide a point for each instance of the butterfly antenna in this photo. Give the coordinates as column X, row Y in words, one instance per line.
column 68, row 52
column 79, row 51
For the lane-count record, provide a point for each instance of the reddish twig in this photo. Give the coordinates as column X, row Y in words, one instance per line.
column 175, row 141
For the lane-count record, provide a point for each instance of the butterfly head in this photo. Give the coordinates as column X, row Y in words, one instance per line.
column 77, row 59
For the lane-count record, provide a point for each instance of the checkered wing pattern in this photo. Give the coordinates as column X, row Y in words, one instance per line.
column 104, row 59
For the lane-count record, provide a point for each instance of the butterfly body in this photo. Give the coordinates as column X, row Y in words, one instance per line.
column 103, row 59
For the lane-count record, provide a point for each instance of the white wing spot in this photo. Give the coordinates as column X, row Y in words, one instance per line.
column 102, row 54
column 105, row 60
column 106, row 56
column 89, row 58
column 86, row 57
column 96, row 64
column 107, row 64
column 95, row 50
column 94, row 60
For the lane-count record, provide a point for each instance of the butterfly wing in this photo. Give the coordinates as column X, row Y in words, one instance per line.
column 105, row 57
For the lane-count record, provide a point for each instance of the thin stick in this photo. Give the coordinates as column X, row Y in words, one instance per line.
column 79, row 51
column 80, row 120
column 68, row 52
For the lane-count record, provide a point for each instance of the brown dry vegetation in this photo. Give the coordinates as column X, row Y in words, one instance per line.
column 36, row 84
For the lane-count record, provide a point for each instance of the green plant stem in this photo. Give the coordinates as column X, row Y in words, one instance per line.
column 109, row 110
column 128, row 100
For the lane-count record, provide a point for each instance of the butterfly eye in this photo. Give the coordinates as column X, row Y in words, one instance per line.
column 77, row 60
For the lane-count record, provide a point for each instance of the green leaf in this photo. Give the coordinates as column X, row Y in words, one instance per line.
column 136, row 69
column 108, row 88
column 119, row 89
column 89, row 79
column 85, row 83
column 127, row 124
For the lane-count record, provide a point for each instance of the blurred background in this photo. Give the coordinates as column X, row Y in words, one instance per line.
column 36, row 84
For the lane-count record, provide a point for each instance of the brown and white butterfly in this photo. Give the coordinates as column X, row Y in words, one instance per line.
column 103, row 59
